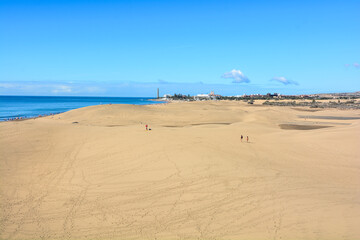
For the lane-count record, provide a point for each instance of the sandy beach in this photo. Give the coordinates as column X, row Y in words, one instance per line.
column 96, row 173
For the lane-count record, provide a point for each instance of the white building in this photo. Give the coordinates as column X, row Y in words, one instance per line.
column 167, row 96
column 205, row 97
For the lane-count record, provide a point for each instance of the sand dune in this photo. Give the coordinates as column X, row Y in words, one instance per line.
column 95, row 173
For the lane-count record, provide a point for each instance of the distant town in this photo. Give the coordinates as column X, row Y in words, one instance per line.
column 326, row 100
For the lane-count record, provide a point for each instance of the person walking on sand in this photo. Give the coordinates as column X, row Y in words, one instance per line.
column 146, row 126
column 247, row 138
column 242, row 137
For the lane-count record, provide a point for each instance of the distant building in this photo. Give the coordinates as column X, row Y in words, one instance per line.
column 269, row 95
column 210, row 96
column 202, row 97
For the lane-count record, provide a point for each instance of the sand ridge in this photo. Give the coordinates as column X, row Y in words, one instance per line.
column 95, row 173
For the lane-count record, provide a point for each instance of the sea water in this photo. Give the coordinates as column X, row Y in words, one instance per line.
column 33, row 106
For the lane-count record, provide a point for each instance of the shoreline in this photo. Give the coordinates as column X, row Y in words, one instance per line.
column 283, row 103
column 24, row 117
column 321, row 104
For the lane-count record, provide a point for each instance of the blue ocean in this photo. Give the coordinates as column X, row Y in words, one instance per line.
column 32, row 106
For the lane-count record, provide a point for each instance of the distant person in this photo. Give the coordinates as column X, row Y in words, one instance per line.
column 242, row 137
column 247, row 138
column 146, row 126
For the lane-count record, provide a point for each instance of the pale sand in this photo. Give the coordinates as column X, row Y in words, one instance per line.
column 190, row 177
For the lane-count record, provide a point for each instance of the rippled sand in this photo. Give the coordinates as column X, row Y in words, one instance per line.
column 96, row 173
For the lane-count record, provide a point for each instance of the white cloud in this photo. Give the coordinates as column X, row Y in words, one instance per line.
column 357, row 65
column 7, row 85
column 93, row 89
column 62, row 89
column 237, row 75
column 284, row 81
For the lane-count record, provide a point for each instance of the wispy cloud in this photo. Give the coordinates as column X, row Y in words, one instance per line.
column 355, row 64
column 161, row 81
column 284, row 81
column 135, row 89
column 43, row 88
column 62, row 89
column 237, row 75
column 7, row 85
column 92, row 89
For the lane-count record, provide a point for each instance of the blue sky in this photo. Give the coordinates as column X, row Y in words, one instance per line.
column 129, row 48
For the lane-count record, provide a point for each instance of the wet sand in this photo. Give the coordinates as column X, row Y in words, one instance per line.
column 96, row 173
